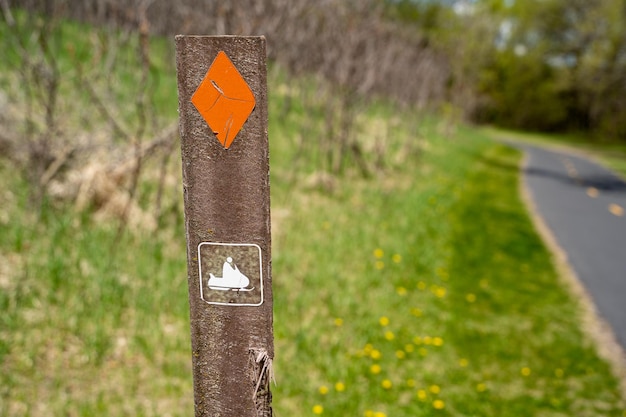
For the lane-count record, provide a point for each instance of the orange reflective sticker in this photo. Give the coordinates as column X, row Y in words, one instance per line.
column 224, row 100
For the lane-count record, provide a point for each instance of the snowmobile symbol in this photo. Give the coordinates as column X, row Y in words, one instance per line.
column 241, row 281
column 232, row 278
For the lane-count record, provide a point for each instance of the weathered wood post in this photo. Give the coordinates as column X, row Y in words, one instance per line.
column 222, row 97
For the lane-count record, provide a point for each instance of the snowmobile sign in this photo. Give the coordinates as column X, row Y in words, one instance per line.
column 222, row 103
column 230, row 274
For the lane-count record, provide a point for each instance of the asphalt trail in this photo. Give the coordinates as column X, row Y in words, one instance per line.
column 584, row 205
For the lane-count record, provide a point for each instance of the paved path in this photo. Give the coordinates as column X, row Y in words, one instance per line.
column 584, row 205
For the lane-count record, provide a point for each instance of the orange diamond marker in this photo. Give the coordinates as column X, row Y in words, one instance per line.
column 224, row 99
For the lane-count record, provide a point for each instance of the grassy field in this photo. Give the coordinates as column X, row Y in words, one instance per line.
column 421, row 291
column 444, row 301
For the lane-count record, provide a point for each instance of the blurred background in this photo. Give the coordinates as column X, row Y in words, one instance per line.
column 408, row 277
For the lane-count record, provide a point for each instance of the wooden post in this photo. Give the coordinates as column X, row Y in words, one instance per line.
column 222, row 97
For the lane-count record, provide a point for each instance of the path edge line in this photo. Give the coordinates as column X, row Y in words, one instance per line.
column 594, row 326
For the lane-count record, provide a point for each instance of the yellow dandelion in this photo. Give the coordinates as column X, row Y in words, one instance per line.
column 323, row 390
column 387, row 384
column 416, row 312
column 318, row 409
column 396, row 258
column 481, row 387
column 379, row 265
column 421, row 285
column 375, row 354
column 435, row 389
column 400, row 354
column 408, row 348
column 375, row 369
column 379, row 414
column 427, row 340
column 417, row 340
column 463, row 362
column 338, row 322
column 378, row 253
column 439, row 405
column 525, row 371
column 340, row 386
column 401, row 291
column 369, row 413
column 384, row 321
column 437, row 341
column 389, row 335
column 368, row 348
column 440, row 292
column 410, row 383
column 470, row 298
column 421, row 395
column 423, row 351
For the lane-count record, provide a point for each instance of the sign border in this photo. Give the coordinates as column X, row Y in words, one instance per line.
column 260, row 273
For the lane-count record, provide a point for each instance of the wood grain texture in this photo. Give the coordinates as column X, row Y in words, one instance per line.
column 227, row 200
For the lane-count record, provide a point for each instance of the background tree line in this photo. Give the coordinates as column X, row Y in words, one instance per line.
column 533, row 64
column 353, row 49
column 551, row 65
column 350, row 43
column 557, row 65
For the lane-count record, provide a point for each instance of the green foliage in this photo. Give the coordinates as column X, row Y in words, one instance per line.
column 422, row 291
column 424, row 14
column 539, row 65
column 560, row 65
column 513, row 103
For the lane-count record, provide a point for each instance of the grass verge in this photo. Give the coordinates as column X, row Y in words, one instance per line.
column 611, row 154
column 420, row 291
column 431, row 294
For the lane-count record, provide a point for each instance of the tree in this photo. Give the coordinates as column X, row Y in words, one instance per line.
column 559, row 64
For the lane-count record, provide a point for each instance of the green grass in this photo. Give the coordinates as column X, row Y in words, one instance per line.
column 442, row 283
column 93, row 66
column 422, row 291
column 511, row 306
column 88, row 324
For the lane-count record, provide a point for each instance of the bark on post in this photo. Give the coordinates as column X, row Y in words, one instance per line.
column 227, row 220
